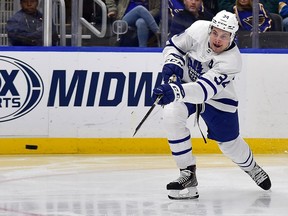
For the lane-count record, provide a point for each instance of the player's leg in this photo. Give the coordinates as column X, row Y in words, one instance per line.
column 224, row 128
column 240, row 153
column 175, row 117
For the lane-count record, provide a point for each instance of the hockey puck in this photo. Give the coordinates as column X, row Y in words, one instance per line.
column 32, row 147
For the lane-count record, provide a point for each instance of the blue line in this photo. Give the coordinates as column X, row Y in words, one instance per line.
column 82, row 49
column 264, row 51
column 120, row 49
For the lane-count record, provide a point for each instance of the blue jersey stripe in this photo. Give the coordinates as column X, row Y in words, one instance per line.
column 209, row 83
column 179, row 50
column 227, row 101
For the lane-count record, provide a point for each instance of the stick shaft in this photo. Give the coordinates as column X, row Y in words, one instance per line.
column 147, row 114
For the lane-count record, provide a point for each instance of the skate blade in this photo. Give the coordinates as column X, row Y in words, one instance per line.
column 181, row 195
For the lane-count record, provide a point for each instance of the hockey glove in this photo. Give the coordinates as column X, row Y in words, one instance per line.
column 169, row 92
column 173, row 66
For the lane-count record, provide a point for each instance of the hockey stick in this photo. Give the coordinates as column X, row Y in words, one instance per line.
column 148, row 113
column 173, row 78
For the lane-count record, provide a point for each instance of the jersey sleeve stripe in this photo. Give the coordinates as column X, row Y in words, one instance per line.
column 209, row 83
column 204, row 90
column 179, row 50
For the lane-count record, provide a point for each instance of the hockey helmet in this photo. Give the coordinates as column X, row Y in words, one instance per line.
column 226, row 21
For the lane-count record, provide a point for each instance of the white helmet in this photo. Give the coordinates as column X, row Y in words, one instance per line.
column 226, row 21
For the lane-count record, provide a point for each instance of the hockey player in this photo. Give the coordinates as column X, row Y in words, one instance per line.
column 205, row 60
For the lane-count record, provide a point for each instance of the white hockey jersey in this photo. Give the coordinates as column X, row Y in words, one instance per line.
column 208, row 77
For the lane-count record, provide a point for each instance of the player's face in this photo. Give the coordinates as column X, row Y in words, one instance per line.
column 193, row 5
column 219, row 40
column 29, row 6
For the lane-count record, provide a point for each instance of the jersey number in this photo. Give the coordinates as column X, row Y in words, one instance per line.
column 221, row 80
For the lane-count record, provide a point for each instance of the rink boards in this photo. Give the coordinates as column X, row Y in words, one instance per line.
column 91, row 101
column 124, row 146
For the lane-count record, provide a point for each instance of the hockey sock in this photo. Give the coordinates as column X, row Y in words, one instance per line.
column 239, row 152
column 182, row 152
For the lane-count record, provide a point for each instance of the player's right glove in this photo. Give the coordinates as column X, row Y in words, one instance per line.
column 173, row 67
column 170, row 92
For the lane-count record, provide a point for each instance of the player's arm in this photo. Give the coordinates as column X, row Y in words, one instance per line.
column 174, row 56
column 222, row 72
column 175, row 50
column 208, row 85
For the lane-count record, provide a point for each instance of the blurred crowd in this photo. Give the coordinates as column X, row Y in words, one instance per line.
column 140, row 21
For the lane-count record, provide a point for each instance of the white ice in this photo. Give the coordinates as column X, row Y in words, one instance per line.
column 132, row 185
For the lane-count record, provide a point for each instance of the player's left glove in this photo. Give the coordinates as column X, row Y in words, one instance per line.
column 170, row 92
column 173, row 67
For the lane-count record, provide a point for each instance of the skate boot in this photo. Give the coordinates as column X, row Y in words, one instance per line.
column 260, row 177
column 187, row 182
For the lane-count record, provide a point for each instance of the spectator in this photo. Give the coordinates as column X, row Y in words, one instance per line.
column 25, row 28
column 142, row 15
column 270, row 5
column 283, row 11
column 193, row 11
column 174, row 6
column 244, row 12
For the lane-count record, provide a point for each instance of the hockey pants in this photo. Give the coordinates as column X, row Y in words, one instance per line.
column 223, row 127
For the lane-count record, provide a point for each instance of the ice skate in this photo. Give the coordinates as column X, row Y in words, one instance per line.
column 260, row 177
column 185, row 186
